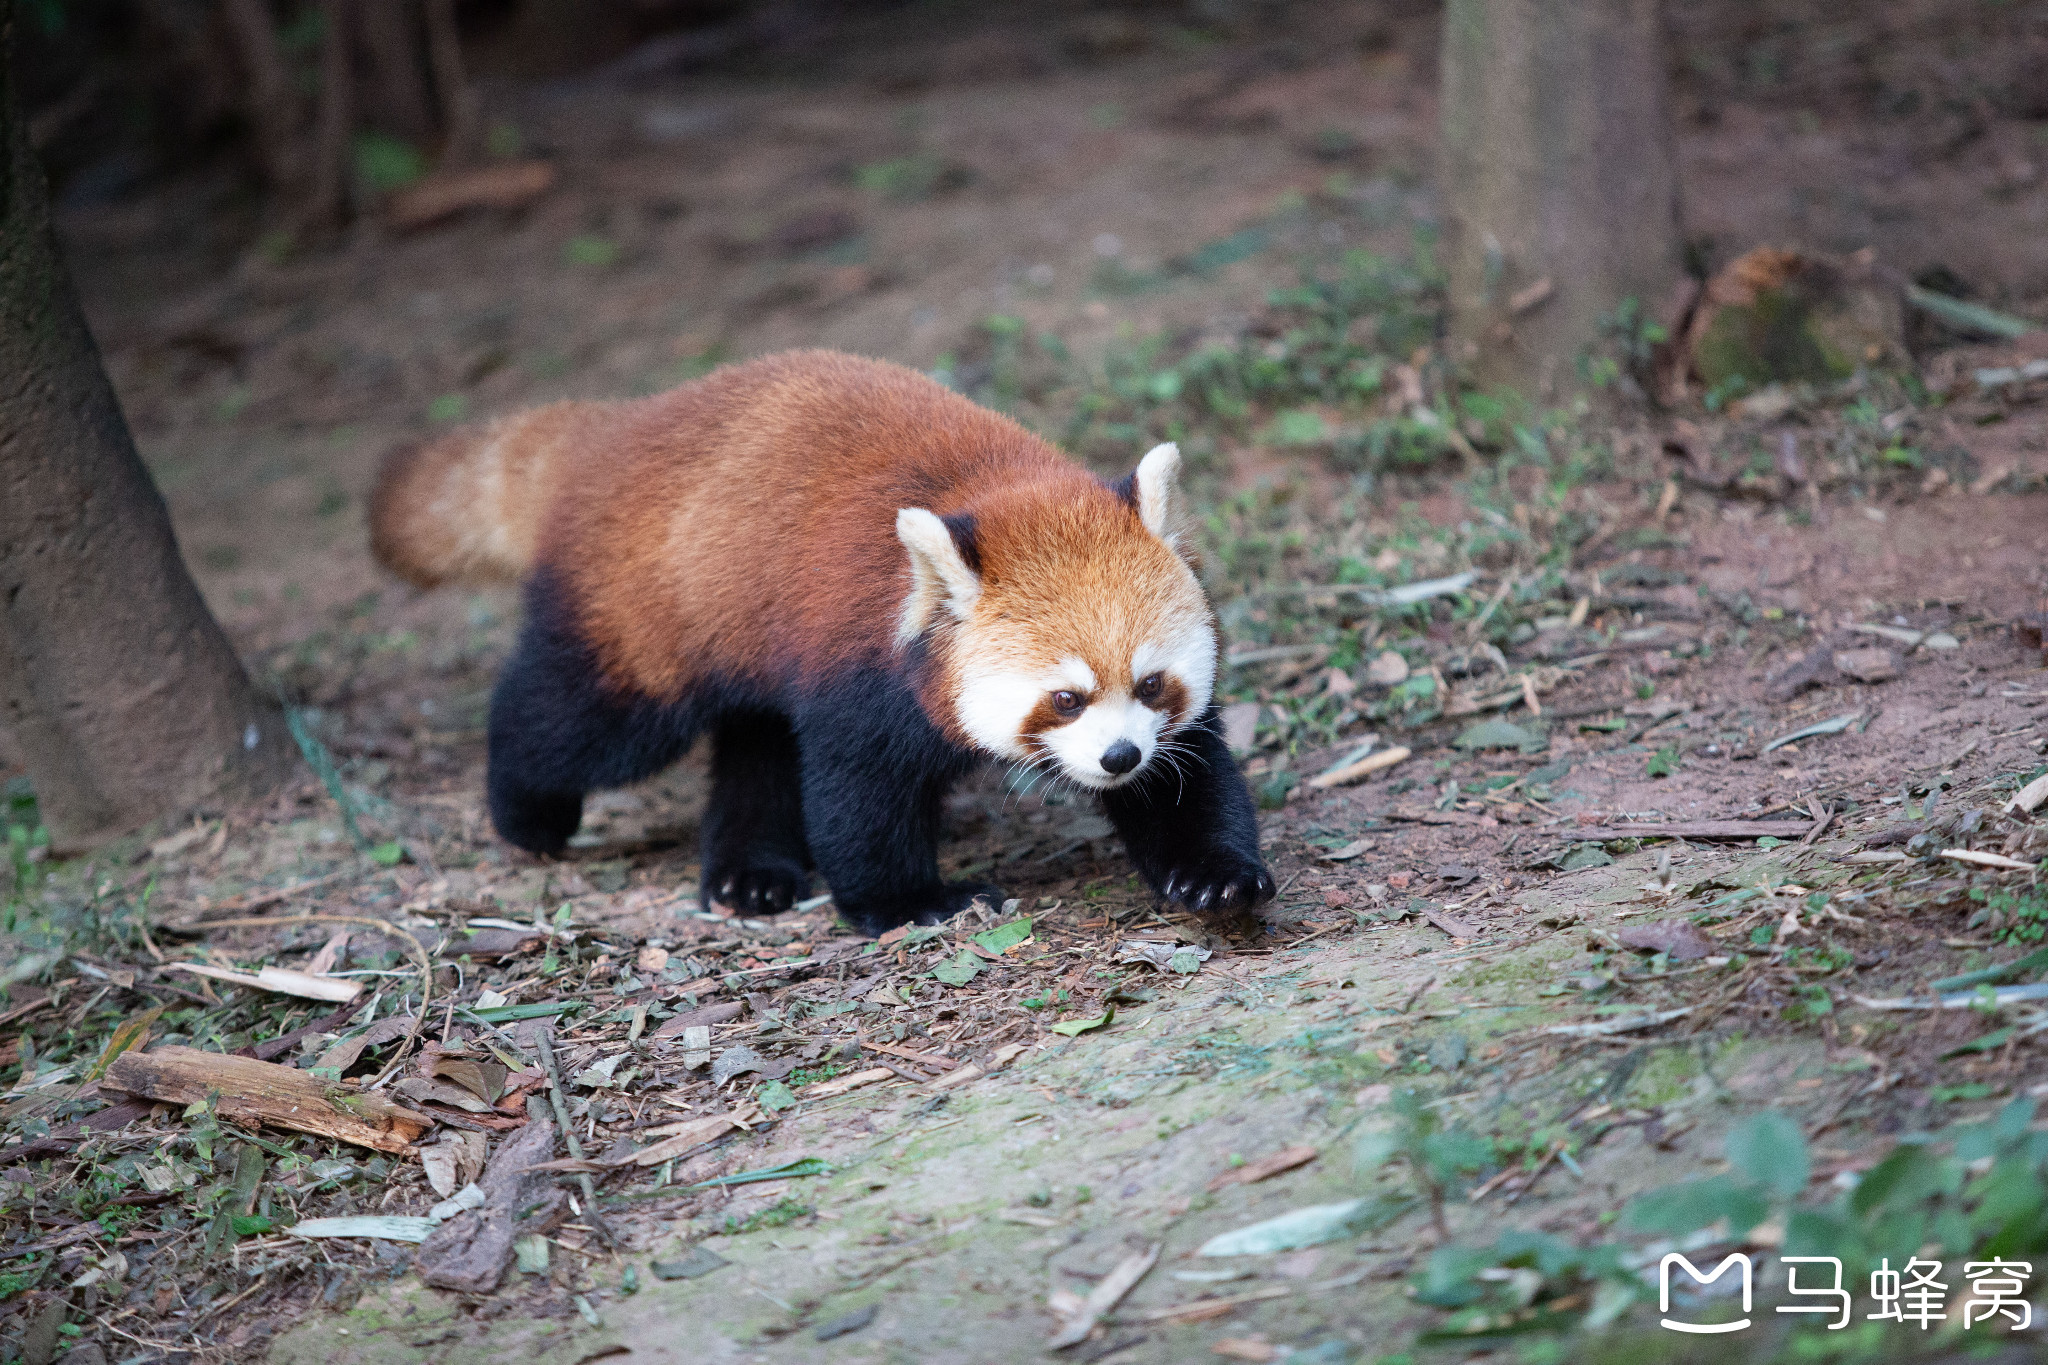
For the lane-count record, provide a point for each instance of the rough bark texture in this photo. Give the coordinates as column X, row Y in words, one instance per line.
column 267, row 1093
column 470, row 1251
column 272, row 105
column 1557, row 166
column 118, row 690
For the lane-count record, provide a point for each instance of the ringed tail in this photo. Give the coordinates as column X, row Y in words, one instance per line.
column 467, row 506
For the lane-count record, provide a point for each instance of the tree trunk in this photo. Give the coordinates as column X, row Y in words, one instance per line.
column 334, row 125
column 122, row 695
column 272, row 104
column 1560, row 186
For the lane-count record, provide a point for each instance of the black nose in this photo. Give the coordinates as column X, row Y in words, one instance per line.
column 1120, row 757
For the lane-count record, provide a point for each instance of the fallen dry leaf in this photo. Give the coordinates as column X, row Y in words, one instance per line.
column 1674, row 937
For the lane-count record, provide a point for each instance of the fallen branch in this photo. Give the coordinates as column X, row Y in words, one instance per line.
column 266, row 1093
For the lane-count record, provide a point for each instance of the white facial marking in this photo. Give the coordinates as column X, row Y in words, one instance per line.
column 1187, row 656
column 1078, row 675
column 1081, row 742
column 994, row 705
column 1157, row 478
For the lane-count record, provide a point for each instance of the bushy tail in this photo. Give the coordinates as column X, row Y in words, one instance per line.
column 467, row 506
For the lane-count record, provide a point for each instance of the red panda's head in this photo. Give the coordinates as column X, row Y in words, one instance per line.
column 1073, row 634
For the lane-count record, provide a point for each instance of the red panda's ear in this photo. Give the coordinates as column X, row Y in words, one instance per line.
column 941, row 575
column 1157, row 485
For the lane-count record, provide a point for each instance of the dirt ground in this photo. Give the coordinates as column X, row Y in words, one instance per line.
column 1438, row 923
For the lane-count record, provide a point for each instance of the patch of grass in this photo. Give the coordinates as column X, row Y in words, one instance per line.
column 781, row 1213
column 590, row 250
column 2017, row 915
column 384, row 163
column 913, row 178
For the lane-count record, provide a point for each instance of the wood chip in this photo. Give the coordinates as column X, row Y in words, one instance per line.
column 283, row 980
column 703, row 1017
column 1997, row 860
column 1201, row 1310
column 1109, row 1291
column 1450, row 924
column 962, row 1076
column 2029, row 797
column 1286, row 1159
column 840, row 1085
column 931, row 1060
column 1363, row 768
column 687, row 1137
column 266, row 1093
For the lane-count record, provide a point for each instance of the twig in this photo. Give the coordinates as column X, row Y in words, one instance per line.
column 1416, row 995
column 1548, row 1157
column 257, row 901
column 382, row 926
column 1824, row 816
column 544, row 1044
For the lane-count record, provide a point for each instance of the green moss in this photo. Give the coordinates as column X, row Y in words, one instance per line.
column 1664, row 1076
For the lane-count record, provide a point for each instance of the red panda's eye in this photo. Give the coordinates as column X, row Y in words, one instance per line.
column 1066, row 703
column 1149, row 689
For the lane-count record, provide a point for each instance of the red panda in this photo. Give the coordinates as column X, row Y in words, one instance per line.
column 859, row 584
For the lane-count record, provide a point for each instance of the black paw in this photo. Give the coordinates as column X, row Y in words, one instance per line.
column 934, row 908
column 767, row 887
column 1218, row 884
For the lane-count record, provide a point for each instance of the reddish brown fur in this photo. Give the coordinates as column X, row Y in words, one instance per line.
column 745, row 523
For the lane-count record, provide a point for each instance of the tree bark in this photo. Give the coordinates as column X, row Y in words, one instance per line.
column 273, row 106
column 395, row 42
column 457, row 96
column 334, row 125
column 1560, row 184
column 121, row 693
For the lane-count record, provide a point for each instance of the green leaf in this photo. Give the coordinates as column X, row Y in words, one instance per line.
column 960, row 970
column 1500, row 734
column 1307, row 1227
column 1909, row 1174
column 590, row 250
column 1676, row 1210
column 1990, row 1042
column 1005, row 936
column 809, row 1165
column 1374, row 1149
column 250, row 1225
column 1075, row 1027
column 775, row 1096
column 1663, row 763
column 388, row 854
column 132, row 1032
column 1771, row 1151
column 386, row 163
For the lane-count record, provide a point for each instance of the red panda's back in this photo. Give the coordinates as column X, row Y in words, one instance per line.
column 744, row 523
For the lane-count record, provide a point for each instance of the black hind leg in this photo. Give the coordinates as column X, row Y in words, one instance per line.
column 557, row 732
column 755, row 859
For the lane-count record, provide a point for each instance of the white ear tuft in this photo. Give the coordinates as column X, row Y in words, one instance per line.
column 939, row 574
column 1158, row 481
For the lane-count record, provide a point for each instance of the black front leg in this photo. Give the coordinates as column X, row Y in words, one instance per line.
column 754, row 855
column 1190, row 826
column 874, row 774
